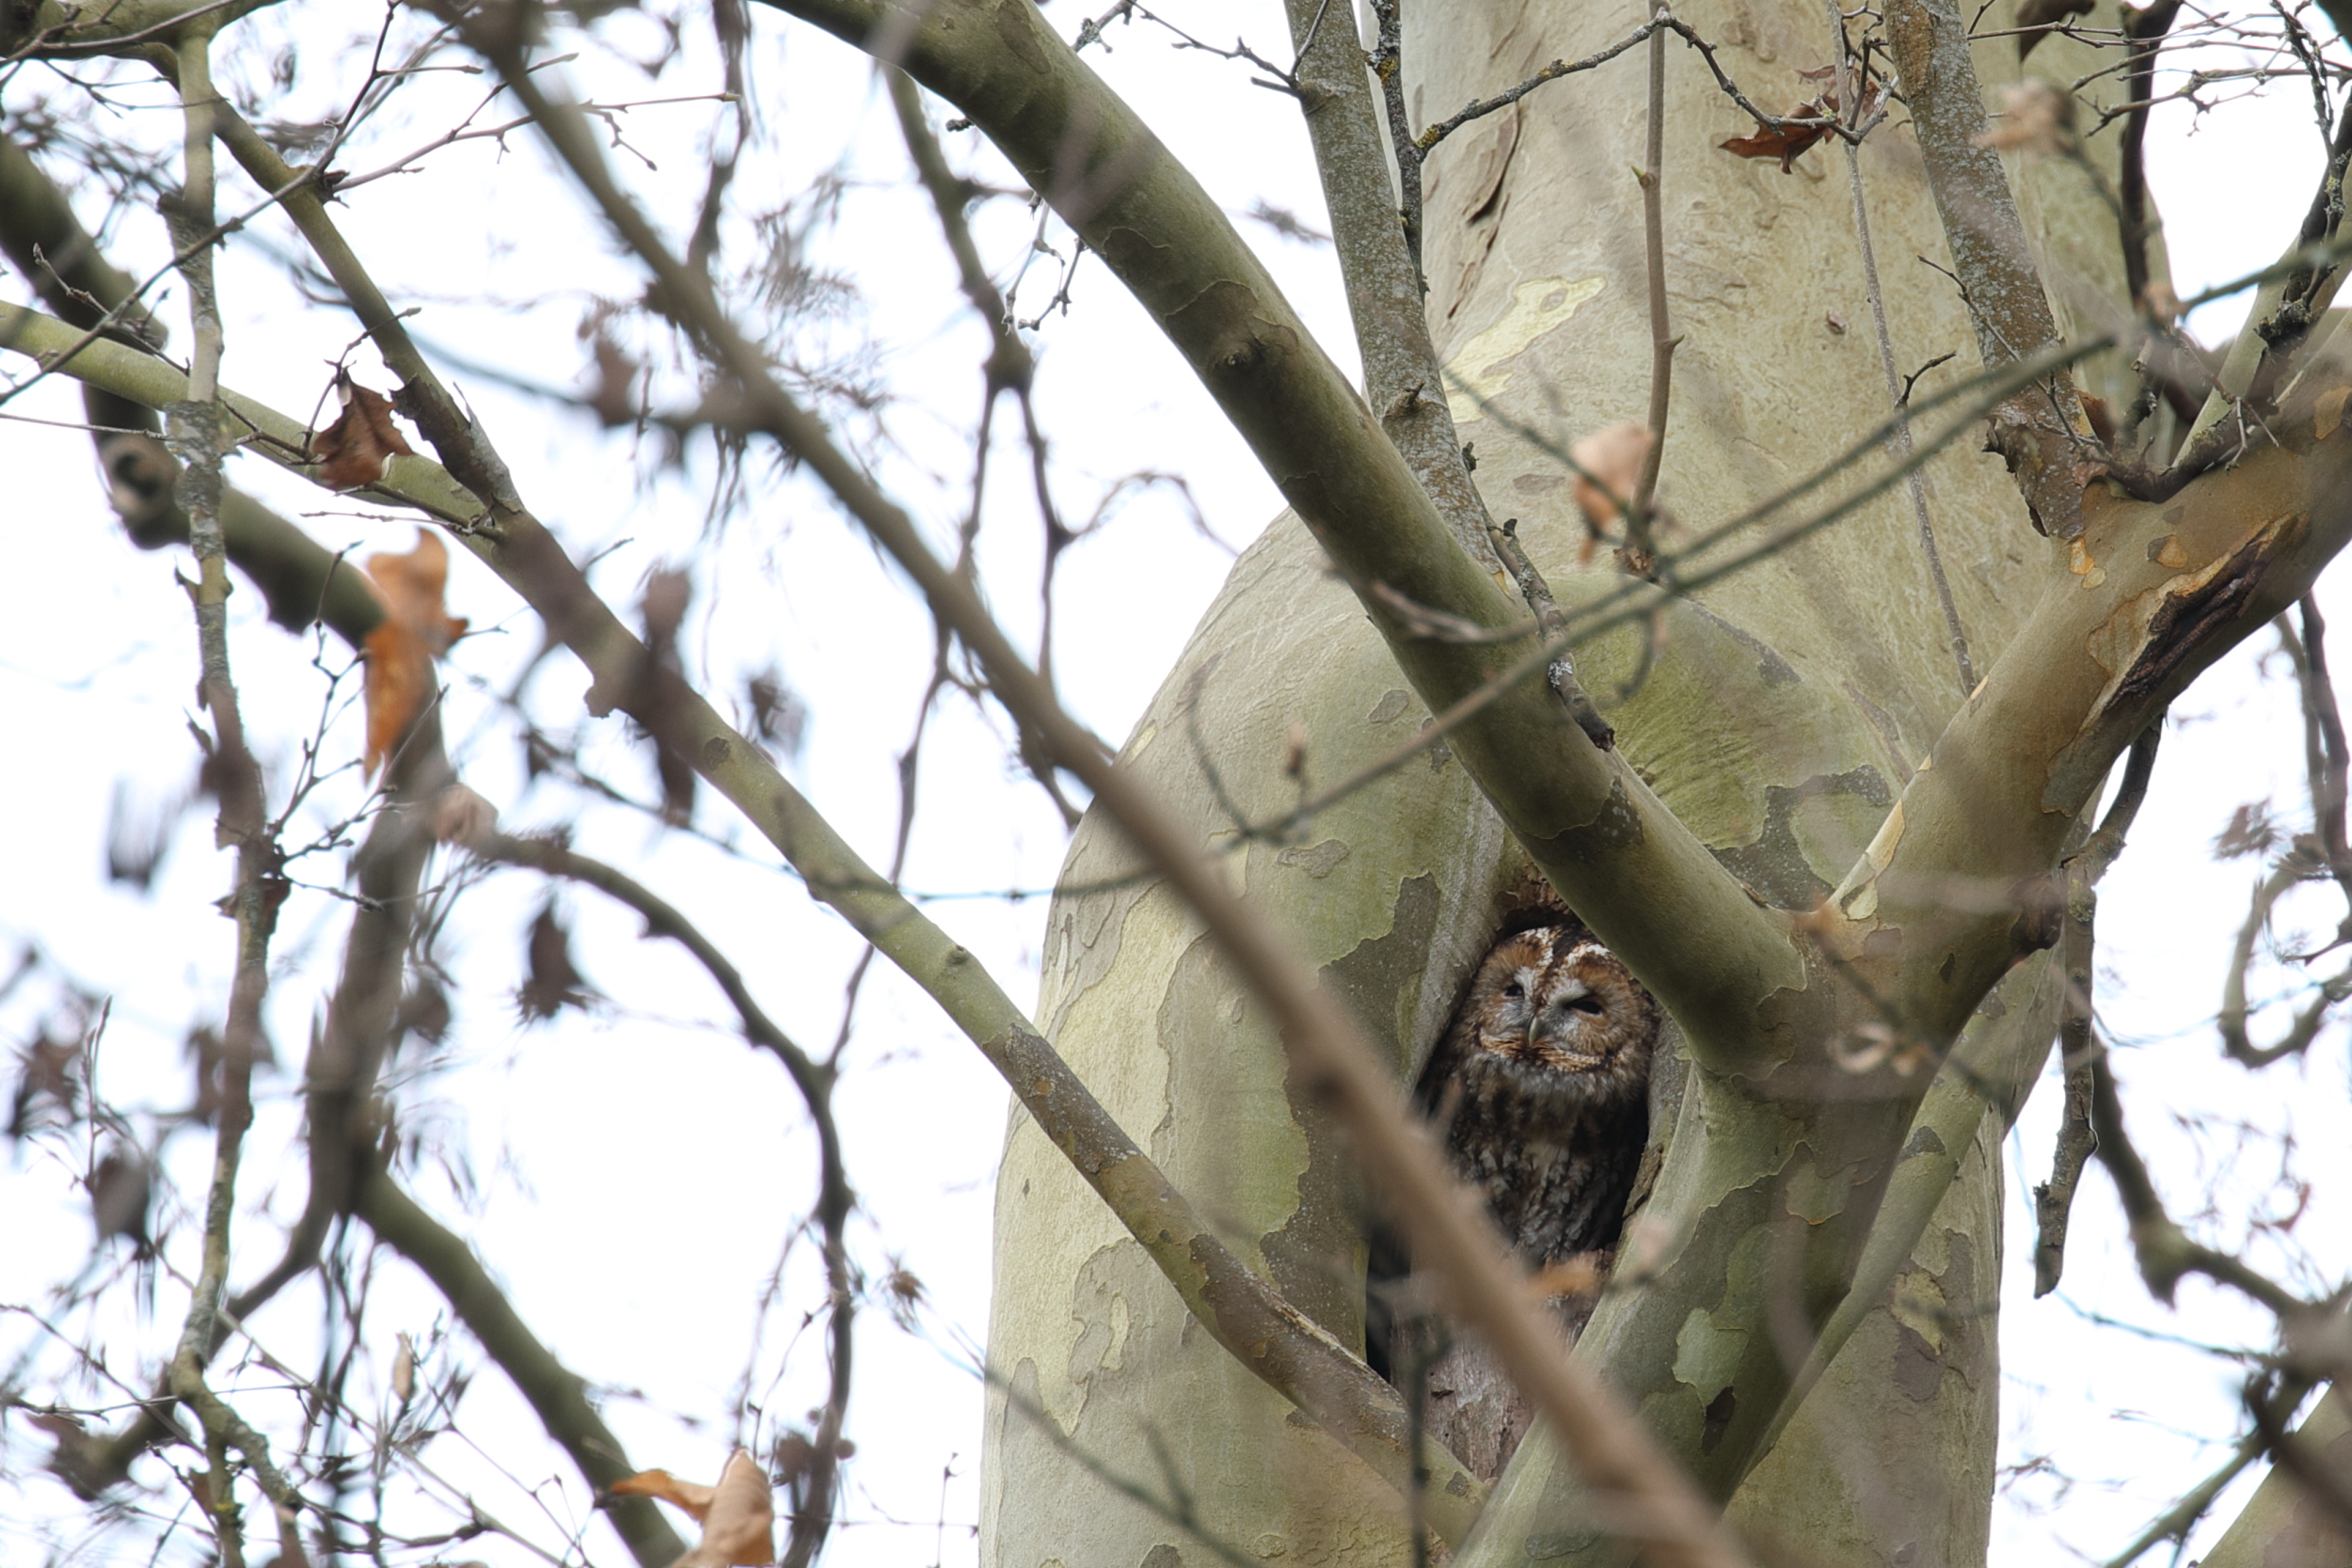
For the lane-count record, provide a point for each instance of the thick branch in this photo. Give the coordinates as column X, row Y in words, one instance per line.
column 1402, row 377
column 2041, row 431
column 2282, row 1515
column 2156, row 593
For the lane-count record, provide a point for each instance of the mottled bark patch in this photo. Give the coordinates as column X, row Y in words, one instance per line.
column 1617, row 826
column 1775, row 864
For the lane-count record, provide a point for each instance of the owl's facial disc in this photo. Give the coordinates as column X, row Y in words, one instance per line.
column 1567, row 1030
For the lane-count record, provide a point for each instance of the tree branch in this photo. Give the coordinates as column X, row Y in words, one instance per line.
column 2040, row 432
column 1403, row 379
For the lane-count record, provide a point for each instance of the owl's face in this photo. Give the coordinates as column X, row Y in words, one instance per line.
column 1561, row 1012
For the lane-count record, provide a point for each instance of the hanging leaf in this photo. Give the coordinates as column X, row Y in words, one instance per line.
column 121, row 1191
column 416, row 631
column 613, row 396
column 553, row 984
column 404, row 1372
column 737, row 1515
column 1609, row 469
column 362, row 442
column 1784, row 142
column 460, row 817
column 778, row 714
column 48, row 1082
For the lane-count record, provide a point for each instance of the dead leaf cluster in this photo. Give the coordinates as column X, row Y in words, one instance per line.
column 1817, row 117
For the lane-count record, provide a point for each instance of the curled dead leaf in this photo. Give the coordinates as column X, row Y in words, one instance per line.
column 1608, row 464
column 122, row 1192
column 737, row 1515
column 1814, row 118
column 668, row 591
column 362, row 442
column 1784, row 142
column 553, row 984
column 416, row 631
column 404, row 1370
column 693, row 1497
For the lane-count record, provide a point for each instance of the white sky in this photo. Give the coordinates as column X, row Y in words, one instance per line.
column 634, row 1175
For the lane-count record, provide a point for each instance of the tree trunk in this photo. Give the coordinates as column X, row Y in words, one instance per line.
column 1789, row 705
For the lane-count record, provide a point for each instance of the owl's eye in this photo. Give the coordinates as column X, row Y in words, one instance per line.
column 1515, row 990
column 1587, row 1003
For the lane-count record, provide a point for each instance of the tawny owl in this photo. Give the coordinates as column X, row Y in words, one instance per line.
column 1541, row 1086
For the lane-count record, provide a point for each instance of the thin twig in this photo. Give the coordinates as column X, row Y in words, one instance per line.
column 2329, row 760
column 1549, row 623
column 2076, row 1141
column 1638, row 519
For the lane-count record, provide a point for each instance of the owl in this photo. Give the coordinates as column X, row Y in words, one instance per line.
column 1541, row 1084
column 1540, row 1087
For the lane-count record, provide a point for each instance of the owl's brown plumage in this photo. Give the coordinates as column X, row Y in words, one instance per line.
column 1542, row 1084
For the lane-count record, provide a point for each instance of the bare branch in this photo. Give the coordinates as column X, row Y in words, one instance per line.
column 2041, row 431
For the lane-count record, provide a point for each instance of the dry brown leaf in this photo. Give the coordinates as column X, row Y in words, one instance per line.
column 693, row 1497
column 362, row 442
column 404, row 1370
column 2102, row 417
column 1784, row 142
column 1610, row 462
column 553, row 983
column 737, row 1515
column 416, row 631
column 739, row 1531
column 613, row 397
column 121, row 1191
column 668, row 591
column 1787, row 142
